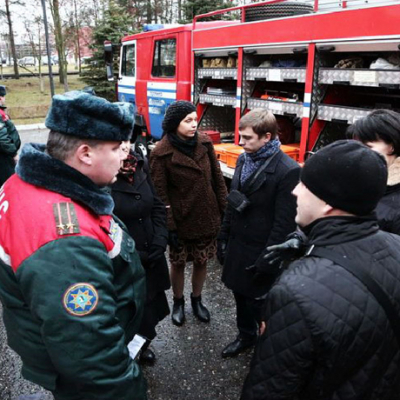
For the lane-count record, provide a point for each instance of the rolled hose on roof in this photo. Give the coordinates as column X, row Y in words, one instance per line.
column 279, row 10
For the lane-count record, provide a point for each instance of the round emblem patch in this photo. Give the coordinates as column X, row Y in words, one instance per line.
column 80, row 299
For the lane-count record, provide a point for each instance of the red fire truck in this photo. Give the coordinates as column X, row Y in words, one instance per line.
column 317, row 65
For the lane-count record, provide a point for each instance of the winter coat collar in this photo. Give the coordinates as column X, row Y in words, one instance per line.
column 337, row 230
column 121, row 185
column 270, row 169
column 38, row 168
column 394, row 173
column 164, row 148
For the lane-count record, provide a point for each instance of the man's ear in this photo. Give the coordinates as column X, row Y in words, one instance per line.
column 327, row 209
column 267, row 137
column 84, row 154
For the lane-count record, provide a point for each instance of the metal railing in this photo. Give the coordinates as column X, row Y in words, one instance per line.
column 318, row 5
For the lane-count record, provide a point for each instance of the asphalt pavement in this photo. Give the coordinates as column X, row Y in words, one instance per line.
column 189, row 364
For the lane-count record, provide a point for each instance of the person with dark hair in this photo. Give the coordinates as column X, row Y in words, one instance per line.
column 9, row 141
column 260, row 213
column 380, row 131
column 188, row 179
column 71, row 283
column 143, row 213
column 330, row 325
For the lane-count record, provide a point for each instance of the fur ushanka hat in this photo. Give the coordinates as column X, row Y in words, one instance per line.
column 176, row 112
column 86, row 116
column 3, row 91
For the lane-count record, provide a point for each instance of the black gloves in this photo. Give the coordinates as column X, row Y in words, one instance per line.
column 173, row 240
column 155, row 253
column 221, row 250
column 270, row 261
column 287, row 251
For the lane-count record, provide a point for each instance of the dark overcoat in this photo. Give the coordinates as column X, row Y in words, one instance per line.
column 192, row 188
column 9, row 146
column 266, row 221
column 143, row 213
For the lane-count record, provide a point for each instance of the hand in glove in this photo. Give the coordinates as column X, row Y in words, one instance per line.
column 291, row 249
column 269, row 262
column 173, row 240
column 221, row 251
column 155, row 253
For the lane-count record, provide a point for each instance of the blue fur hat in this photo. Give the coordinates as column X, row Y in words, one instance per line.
column 86, row 116
column 3, row 91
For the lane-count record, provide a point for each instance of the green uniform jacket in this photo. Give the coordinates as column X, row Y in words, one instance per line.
column 71, row 282
column 9, row 146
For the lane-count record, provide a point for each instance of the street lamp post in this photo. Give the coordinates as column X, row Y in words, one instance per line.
column 46, row 32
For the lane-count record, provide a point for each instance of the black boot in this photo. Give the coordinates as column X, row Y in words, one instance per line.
column 199, row 309
column 178, row 311
column 147, row 355
column 239, row 345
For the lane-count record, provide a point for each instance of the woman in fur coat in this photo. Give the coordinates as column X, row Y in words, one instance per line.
column 188, row 179
column 380, row 130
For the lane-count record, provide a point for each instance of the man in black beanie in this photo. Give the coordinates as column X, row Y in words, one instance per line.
column 71, row 282
column 327, row 334
column 9, row 140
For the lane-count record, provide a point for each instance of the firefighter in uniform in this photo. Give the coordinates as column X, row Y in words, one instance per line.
column 9, row 141
column 71, row 282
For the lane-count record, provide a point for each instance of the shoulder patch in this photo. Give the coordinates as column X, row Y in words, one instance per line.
column 66, row 219
column 80, row 299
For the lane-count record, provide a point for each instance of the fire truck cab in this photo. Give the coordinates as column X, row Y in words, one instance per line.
column 318, row 65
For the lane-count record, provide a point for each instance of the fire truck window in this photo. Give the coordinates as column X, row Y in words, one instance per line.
column 128, row 62
column 164, row 59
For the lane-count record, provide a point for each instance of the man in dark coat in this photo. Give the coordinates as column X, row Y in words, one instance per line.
column 266, row 177
column 326, row 336
column 9, row 141
column 71, row 282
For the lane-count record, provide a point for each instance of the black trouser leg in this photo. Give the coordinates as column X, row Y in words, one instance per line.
column 247, row 316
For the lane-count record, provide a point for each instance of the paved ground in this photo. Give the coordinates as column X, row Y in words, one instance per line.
column 36, row 133
column 188, row 366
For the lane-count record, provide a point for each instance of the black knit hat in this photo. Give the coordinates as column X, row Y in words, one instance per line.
column 346, row 175
column 176, row 112
column 3, row 91
column 86, row 116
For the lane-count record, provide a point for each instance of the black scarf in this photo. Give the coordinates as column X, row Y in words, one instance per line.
column 186, row 147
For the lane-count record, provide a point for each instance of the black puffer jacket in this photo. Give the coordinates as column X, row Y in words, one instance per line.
column 321, row 320
column 388, row 209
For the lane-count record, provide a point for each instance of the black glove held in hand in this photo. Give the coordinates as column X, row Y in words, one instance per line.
column 156, row 252
column 269, row 262
column 173, row 240
column 293, row 248
column 221, row 251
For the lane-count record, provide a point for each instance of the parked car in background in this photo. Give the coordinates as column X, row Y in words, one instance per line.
column 25, row 61
column 45, row 60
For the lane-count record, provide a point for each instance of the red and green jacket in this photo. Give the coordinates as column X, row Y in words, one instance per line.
column 71, row 282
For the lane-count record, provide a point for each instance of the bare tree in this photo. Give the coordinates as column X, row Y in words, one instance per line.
column 60, row 43
column 11, row 35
